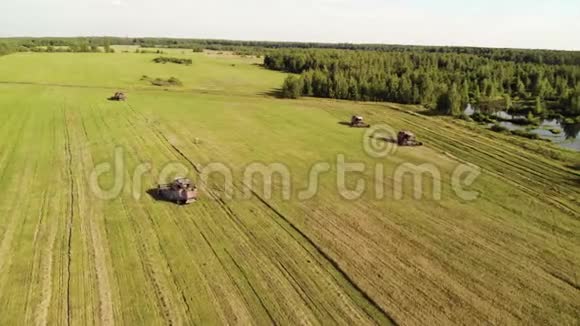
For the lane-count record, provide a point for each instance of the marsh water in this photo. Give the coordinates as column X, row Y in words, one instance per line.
column 569, row 137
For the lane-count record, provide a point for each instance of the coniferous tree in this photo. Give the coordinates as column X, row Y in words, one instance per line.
column 455, row 101
column 353, row 89
column 405, row 91
column 465, row 94
column 572, row 103
column 507, row 102
column 307, row 81
column 538, row 106
column 444, row 103
column 520, row 88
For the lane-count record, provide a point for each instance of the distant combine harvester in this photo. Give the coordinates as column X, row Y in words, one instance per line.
column 119, row 96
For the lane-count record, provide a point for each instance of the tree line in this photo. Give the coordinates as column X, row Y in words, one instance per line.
column 179, row 61
column 551, row 57
column 5, row 49
column 82, row 46
column 439, row 80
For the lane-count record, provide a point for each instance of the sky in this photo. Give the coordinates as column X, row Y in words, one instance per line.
column 492, row 23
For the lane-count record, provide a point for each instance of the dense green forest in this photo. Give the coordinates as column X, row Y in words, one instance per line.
column 443, row 81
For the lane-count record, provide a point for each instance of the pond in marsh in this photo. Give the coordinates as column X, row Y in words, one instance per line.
column 569, row 136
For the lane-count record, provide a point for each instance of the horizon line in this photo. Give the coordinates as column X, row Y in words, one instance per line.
column 290, row 42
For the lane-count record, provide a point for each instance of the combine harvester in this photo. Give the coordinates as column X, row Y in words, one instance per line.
column 407, row 138
column 119, row 96
column 181, row 191
column 358, row 122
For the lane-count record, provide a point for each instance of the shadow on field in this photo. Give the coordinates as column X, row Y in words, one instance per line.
column 153, row 193
column 275, row 92
column 432, row 113
column 385, row 139
column 574, row 166
column 348, row 124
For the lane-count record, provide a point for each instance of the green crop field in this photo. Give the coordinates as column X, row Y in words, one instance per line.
column 71, row 255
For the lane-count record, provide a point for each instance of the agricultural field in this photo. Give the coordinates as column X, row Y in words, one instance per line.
column 71, row 255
